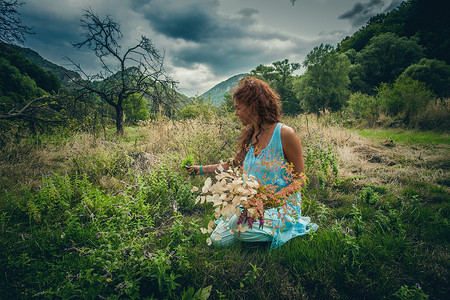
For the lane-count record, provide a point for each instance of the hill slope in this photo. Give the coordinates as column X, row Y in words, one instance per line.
column 62, row 73
column 217, row 93
column 422, row 19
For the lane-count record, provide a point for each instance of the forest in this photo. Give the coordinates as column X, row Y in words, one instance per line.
column 95, row 202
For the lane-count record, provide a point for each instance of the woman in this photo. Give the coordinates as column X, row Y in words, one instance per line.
column 265, row 148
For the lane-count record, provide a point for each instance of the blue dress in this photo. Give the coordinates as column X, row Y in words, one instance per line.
column 282, row 223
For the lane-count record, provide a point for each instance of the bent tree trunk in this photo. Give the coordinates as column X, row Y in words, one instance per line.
column 119, row 120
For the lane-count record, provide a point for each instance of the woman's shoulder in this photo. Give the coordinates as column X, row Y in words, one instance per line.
column 287, row 132
column 288, row 136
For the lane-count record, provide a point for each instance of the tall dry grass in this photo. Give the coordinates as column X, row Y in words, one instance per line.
column 110, row 159
column 396, row 165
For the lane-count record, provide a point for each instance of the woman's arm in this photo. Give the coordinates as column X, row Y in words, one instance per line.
column 293, row 153
column 211, row 169
column 237, row 161
column 206, row 169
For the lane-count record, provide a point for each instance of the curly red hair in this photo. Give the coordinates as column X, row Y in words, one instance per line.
column 264, row 101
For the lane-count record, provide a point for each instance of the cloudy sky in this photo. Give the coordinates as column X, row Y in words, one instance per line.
column 204, row 41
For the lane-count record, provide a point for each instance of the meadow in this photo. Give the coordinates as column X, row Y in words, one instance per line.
column 97, row 216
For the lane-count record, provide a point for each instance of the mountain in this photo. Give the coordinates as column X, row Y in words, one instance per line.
column 62, row 73
column 217, row 93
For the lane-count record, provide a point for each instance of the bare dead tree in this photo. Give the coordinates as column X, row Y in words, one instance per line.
column 11, row 28
column 137, row 70
column 39, row 111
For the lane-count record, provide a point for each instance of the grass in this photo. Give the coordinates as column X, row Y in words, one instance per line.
column 113, row 217
column 410, row 137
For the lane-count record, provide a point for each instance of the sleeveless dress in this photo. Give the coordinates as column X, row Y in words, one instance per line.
column 281, row 223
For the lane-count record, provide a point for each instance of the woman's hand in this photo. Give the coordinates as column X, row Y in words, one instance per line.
column 296, row 185
column 207, row 169
column 193, row 170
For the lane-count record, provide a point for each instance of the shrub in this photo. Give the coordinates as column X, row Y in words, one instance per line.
column 100, row 158
column 200, row 107
column 320, row 161
column 364, row 107
column 189, row 112
column 405, row 97
column 435, row 116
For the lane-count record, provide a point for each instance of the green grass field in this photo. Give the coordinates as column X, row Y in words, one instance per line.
column 91, row 217
column 406, row 136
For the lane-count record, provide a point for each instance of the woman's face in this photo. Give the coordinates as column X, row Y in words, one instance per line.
column 244, row 113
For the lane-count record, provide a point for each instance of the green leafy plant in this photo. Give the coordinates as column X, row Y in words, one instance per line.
column 406, row 293
column 321, row 162
column 187, row 161
column 251, row 276
column 200, row 294
column 369, row 196
column 357, row 222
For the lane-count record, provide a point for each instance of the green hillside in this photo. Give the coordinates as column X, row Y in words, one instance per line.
column 216, row 94
column 62, row 73
column 423, row 20
column 21, row 79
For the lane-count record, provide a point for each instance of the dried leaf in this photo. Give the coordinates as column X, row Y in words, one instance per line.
column 238, row 212
column 211, row 225
column 207, row 185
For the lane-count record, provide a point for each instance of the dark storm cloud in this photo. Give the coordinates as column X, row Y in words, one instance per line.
column 223, row 57
column 54, row 36
column 223, row 43
column 49, row 28
column 196, row 21
column 361, row 12
column 190, row 25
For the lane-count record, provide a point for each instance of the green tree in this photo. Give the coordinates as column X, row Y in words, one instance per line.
column 189, row 112
column 228, row 104
column 435, row 73
column 404, row 98
column 15, row 88
column 324, row 85
column 425, row 20
column 280, row 77
column 386, row 57
column 198, row 107
column 361, row 38
column 429, row 22
column 135, row 109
